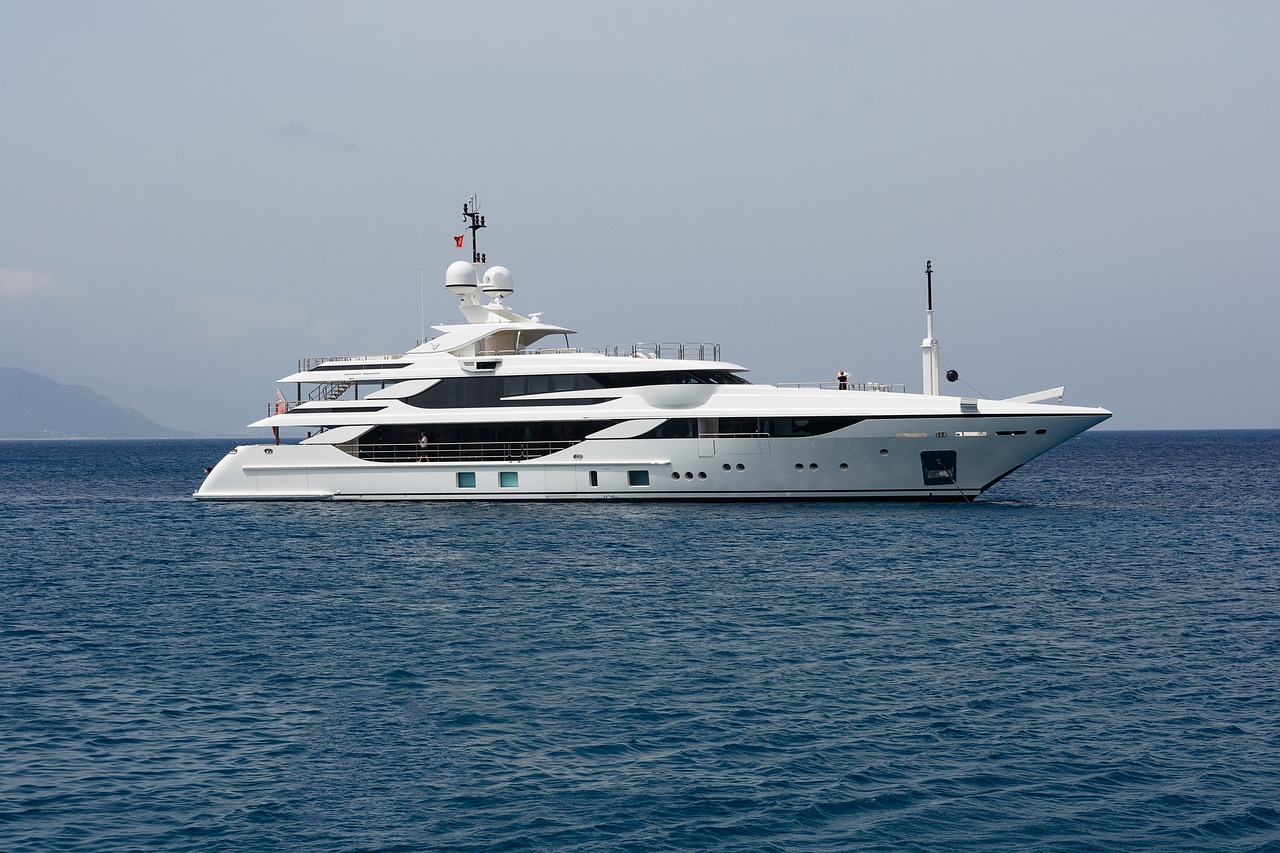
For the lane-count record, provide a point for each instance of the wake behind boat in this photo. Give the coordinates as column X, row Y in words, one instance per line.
column 497, row 409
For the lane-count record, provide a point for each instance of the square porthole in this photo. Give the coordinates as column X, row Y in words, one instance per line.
column 509, row 479
column 637, row 478
column 466, row 479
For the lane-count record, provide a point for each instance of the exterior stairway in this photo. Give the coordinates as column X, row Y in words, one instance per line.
column 329, row 391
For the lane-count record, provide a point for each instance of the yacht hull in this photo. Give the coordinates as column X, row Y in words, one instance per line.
column 943, row 458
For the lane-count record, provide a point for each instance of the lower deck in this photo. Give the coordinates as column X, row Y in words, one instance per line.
column 907, row 460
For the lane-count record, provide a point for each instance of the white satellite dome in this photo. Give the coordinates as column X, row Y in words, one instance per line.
column 497, row 282
column 460, row 278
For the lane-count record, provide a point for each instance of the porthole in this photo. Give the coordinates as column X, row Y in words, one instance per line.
column 741, row 467
column 799, row 466
column 688, row 475
column 702, row 475
column 884, row 451
column 844, row 466
column 726, row 466
column 1041, row 431
column 675, row 475
column 813, row 466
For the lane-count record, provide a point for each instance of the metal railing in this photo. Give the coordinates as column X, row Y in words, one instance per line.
column 329, row 390
column 860, row 385
column 311, row 362
column 679, row 350
column 326, row 391
column 457, row 451
column 682, row 350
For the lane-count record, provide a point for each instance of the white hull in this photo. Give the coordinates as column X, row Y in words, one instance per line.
column 870, row 460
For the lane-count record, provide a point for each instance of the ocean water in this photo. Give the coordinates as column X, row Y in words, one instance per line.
column 1086, row 658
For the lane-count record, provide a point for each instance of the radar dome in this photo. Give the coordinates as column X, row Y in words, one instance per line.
column 460, row 278
column 497, row 282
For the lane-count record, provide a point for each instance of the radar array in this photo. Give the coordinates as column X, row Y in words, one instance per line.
column 471, row 213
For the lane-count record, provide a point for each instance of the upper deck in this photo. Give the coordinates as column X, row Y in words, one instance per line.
column 668, row 350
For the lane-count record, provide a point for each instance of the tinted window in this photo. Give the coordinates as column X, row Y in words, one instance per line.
column 471, row 392
column 774, row 427
column 542, row 431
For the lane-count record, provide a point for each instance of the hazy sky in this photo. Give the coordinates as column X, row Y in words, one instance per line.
column 193, row 195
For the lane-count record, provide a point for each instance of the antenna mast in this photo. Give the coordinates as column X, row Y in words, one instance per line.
column 929, row 348
column 471, row 213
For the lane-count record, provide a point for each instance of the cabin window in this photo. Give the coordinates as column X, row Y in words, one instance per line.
column 637, row 478
column 509, row 479
column 475, row 441
column 595, row 478
column 487, row 391
column 466, row 479
column 750, row 426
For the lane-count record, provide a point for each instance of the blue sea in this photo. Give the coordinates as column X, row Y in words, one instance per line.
column 1086, row 658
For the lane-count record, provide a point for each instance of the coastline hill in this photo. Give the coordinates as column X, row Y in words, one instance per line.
column 35, row 406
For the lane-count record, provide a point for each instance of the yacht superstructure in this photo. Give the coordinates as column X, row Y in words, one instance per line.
column 501, row 407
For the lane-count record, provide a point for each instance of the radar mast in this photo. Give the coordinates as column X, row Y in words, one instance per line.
column 471, row 213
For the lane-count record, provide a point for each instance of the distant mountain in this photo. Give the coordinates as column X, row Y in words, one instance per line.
column 35, row 406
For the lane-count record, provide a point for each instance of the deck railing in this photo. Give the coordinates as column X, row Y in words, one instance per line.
column 679, row 350
column 897, row 387
column 314, row 361
column 458, row 451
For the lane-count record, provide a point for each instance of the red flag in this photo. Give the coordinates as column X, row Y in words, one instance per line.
column 458, row 240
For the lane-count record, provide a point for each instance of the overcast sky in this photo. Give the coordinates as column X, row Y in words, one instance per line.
column 193, row 195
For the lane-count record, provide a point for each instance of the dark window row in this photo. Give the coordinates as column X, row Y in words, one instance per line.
column 458, row 442
column 497, row 433
column 337, row 410
column 363, row 365
column 472, row 442
column 576, row 431
column 472, row 392
column 774, row 427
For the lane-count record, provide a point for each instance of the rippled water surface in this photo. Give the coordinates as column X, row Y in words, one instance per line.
column 1084, row 659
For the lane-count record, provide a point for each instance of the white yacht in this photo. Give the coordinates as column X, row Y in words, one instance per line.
column 501, row 407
